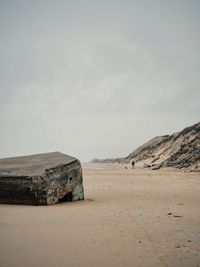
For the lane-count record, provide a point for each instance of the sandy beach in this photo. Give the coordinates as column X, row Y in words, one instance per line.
column 129, row 218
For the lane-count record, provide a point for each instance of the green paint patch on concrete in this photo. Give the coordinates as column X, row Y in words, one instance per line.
column 78, row 192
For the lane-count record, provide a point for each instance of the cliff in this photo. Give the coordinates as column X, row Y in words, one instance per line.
column 179, row 150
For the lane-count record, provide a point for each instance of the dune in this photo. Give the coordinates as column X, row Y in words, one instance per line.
column 179, row 150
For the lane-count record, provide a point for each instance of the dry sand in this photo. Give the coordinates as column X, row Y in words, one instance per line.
column 129, row 218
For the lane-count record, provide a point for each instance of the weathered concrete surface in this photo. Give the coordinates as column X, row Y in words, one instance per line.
column 41, row 179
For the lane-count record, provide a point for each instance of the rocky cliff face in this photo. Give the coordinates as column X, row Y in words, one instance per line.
column 179, row 150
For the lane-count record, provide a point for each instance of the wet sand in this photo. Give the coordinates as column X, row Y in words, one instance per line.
column 129, row 218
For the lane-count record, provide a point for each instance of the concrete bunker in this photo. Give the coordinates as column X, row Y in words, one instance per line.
column 41, row 179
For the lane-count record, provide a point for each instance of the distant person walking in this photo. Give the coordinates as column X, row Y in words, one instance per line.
column 133, row 164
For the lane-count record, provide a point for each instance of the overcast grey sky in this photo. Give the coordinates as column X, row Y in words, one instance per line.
column 96, row 78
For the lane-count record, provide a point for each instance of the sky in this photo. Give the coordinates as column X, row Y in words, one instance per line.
column 96, row 79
